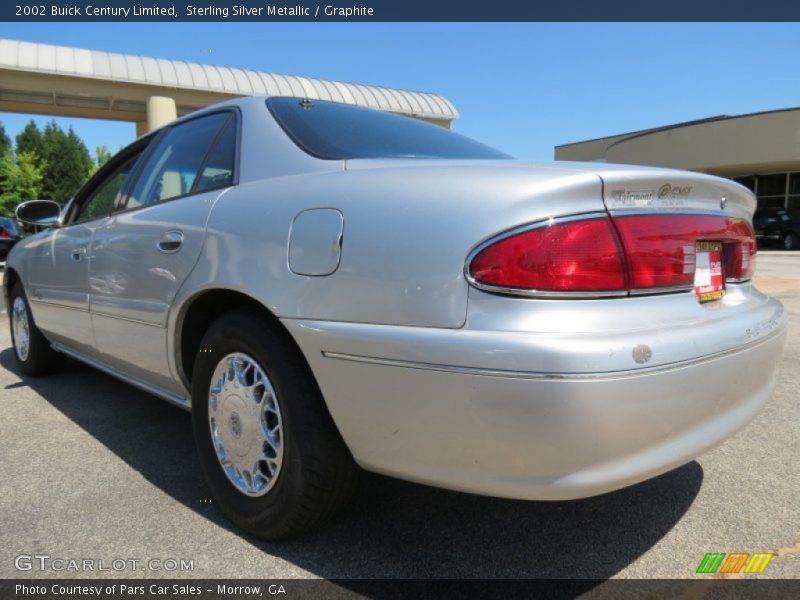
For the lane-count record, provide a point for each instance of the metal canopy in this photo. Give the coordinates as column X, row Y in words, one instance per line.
column 45, row 59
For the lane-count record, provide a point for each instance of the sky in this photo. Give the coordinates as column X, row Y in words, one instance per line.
column 520, row 87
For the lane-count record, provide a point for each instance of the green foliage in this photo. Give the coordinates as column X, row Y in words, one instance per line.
column 5, row 147
column 30, row 140
column 5, row 141
column 49, row 163
column 68, row 163
column 21, row 176
column 8, row 169
column 101, row 156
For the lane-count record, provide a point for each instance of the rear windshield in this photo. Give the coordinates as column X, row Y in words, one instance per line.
column 340, row 131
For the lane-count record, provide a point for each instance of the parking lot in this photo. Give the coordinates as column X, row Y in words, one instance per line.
column 93, row 468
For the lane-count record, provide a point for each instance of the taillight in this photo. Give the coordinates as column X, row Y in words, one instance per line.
column 5, row 233
column 574, row 256
column 740, row 256
column 661, row 248
column 598, row 255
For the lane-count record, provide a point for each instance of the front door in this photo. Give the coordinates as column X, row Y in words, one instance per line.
column 58, row 281
column 58, row 285
column 143, row 253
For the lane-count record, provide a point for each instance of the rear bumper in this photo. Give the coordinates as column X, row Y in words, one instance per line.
column 505, row 430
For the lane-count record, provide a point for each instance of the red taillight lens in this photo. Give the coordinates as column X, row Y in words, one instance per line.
column 576, row 256
column 740, row 256
column 5, row 233
column 660, row 248
column 621, row 254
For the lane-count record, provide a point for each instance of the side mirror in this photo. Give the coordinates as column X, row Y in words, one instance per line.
column 40, row 213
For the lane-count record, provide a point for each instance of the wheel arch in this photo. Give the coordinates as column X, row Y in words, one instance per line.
column 10, row 277
column 199, row 312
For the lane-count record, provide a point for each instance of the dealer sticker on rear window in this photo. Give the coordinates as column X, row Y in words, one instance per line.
column 709, row 281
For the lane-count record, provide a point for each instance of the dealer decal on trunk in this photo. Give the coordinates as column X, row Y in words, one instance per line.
column 709, row 281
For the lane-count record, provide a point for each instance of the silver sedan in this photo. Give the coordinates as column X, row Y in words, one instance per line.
column 329, row 287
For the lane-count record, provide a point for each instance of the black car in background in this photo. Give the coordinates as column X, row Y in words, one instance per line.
column 776, row 225
column 8, row 236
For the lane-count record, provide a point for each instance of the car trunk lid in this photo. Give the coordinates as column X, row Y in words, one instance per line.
column 634, row 189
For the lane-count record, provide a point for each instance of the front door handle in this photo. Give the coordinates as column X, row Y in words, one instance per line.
column 78, row 253
column 170, row 242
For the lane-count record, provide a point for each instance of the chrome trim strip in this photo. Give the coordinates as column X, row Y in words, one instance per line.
column 528, row 293
column 108, row 316
column 601, row 375
column 682, row 210
column 679, row 289
column 180, row 401
column 57, row 305
column 662, row 290
column 495, row 289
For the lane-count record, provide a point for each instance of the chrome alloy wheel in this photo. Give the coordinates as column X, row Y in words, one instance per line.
column 245, row 422
column 21, row 328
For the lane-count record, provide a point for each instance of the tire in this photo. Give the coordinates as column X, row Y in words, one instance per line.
column 36, row 357
column 791, row 241
column 311, row 474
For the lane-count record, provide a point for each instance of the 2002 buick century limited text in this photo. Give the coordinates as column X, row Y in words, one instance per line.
column 329, row 287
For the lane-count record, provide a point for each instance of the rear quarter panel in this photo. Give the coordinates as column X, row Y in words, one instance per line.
column 407, row 232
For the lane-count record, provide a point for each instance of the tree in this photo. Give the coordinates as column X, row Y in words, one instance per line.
column 49, row 163
column 101, row 156
column 30, row 140
column 5, row 142
column 5, row 147
column 21, row 175
column 67, row 163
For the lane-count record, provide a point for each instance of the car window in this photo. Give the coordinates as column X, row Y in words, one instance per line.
column 101, row 201
column 332, row 130
column 218, row 170
column 173, row 166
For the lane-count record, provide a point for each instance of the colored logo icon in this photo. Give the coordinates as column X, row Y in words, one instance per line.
column 736, row 562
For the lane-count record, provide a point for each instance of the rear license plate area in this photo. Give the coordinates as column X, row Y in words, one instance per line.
column 709, row 278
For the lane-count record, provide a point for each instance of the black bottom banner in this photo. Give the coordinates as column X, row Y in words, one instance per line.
column 506, row 589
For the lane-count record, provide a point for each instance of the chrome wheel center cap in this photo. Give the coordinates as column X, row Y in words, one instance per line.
column 245, row 423
column 236, row 426
column 21, row 328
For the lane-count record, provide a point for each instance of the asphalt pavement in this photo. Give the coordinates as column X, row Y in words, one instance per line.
column 91, row 468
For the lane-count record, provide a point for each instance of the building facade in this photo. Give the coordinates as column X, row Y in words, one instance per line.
column 759, row 150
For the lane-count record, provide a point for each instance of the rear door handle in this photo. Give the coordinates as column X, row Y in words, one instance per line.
column 78, row 253
column 170, row 242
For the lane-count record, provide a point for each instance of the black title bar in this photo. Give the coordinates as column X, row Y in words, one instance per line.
column 170, row 11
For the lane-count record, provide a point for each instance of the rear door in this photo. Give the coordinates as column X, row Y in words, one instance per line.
column 142, row 254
